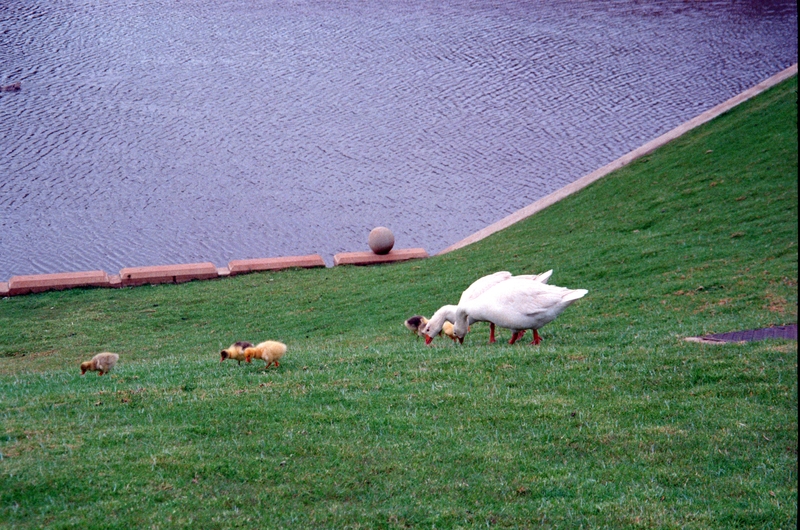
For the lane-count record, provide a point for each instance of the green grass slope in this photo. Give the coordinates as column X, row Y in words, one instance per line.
column 613, row 421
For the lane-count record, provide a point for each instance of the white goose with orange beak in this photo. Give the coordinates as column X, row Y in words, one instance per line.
column 516, row 304
column 447, row 313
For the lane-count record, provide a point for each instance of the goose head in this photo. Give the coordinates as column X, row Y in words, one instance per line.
column 436, row 322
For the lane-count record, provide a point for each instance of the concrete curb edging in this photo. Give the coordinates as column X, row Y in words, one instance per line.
column 370, row 258
column 38, row 283
column 624, row 160
column 243, row 266
column 133, row 276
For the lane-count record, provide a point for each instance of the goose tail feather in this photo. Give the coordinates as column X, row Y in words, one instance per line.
column 575, row 295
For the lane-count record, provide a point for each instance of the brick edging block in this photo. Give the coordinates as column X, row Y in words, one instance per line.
column 132, row 276
column 370, row 258
column 3, row 288
column 37, row 283
column 243, row 266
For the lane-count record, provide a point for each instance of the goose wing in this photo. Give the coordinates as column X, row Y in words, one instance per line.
column 530, row 298
column 481, row 285
column 543, row 277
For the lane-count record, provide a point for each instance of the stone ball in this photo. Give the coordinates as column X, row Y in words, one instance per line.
column 381, row 240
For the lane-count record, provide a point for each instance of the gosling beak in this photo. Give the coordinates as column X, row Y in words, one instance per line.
column 461, row 340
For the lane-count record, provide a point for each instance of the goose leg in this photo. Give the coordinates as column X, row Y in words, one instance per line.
column 536, row 338
column 491, row 333
column 516, row 336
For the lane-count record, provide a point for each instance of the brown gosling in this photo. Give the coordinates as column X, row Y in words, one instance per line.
column 416, row 324
column 269, row 351
column 101, row 363
column 235, row 351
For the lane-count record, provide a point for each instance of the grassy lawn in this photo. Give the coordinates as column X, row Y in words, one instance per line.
column 613, row 421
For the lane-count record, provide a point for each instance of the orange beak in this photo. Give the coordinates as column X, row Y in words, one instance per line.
column 428, row 340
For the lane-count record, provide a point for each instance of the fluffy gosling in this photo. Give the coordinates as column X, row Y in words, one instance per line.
column 101, row 363
column 416, row 324
column 269, row 351
column 447, row 329
column 235, row 351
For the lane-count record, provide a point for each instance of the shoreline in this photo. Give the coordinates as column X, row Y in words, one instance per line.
column 179, row 273
column 624, row 160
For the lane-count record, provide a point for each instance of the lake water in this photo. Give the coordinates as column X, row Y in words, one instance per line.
column 150, row 132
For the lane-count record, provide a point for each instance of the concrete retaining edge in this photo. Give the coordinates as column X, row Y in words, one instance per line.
column 370, row 258
column 185, row 272
column 38, row 283
column 135, row 276
column 624, row 160
column 244, row 266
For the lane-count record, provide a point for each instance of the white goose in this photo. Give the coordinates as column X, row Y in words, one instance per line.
column 447, row 313
column 518, row 305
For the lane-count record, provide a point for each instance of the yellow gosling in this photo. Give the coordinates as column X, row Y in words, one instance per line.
column 447, row 329
column 101, row 363
column 269, row 351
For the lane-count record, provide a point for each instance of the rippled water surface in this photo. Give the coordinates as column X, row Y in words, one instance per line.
column 152, row 131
